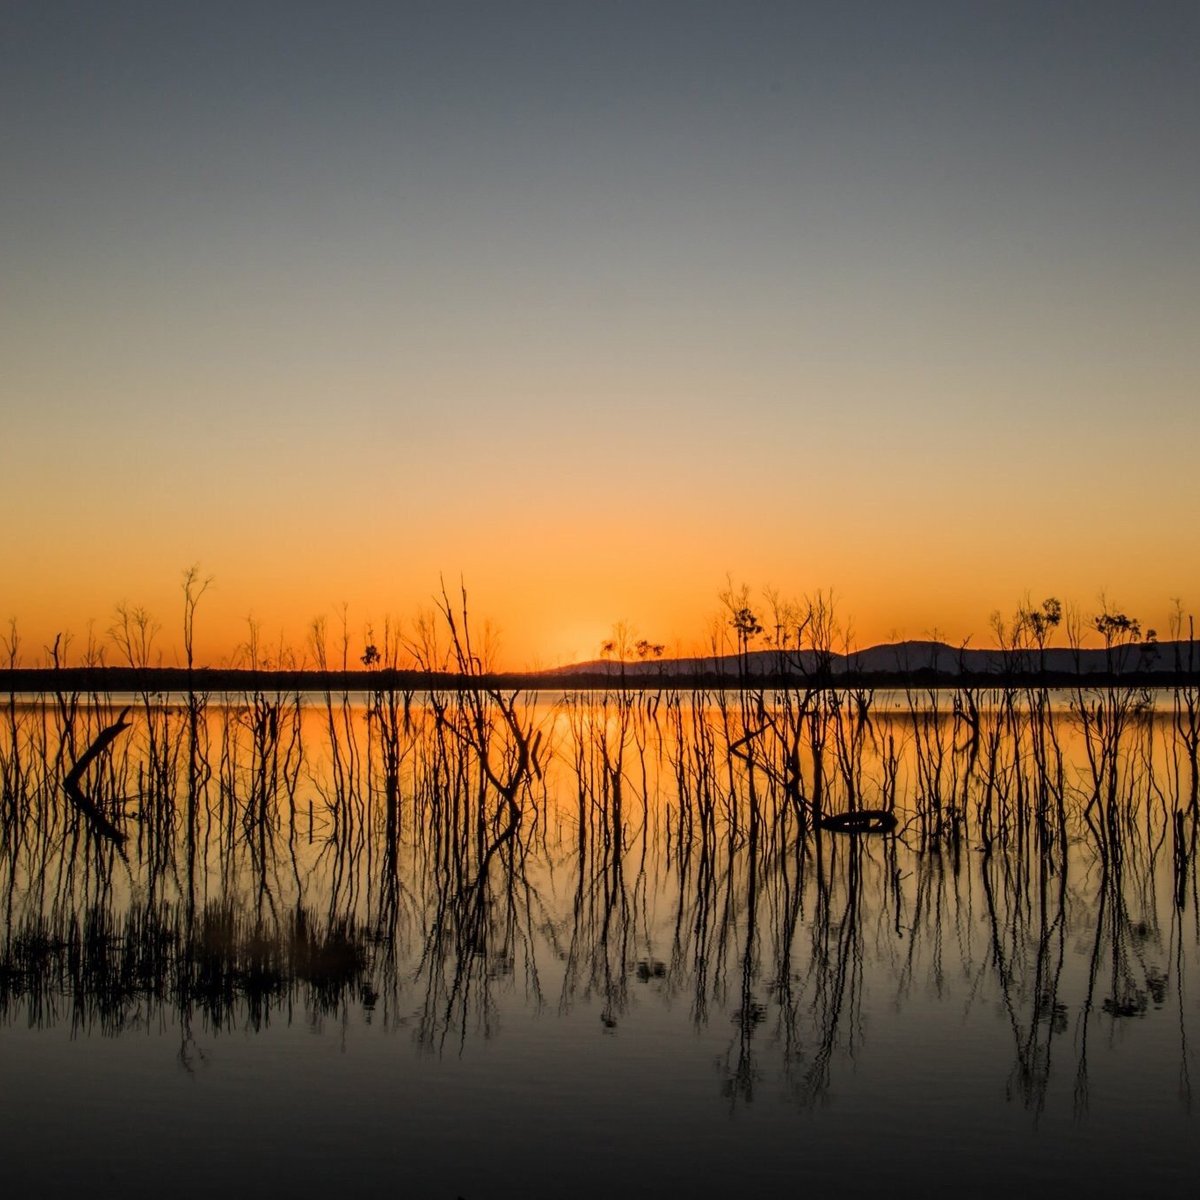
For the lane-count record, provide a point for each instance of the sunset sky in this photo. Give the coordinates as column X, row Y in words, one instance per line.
column 592, row 304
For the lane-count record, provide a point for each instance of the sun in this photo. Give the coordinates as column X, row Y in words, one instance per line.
column 571, row 643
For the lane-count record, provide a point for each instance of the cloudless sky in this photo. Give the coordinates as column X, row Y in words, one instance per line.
column 593, row 303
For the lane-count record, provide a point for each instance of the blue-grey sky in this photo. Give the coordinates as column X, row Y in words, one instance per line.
column 628, row 294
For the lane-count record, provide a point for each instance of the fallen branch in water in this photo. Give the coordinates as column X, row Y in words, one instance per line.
column 100, row 823
column 863, row 820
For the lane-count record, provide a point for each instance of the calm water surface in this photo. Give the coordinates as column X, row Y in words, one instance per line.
column 489, row 947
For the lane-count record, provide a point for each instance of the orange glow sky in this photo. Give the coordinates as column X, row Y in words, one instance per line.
column 592, row 306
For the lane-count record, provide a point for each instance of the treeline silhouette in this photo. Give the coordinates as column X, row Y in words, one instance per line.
column 176, row 680
column 775, row 641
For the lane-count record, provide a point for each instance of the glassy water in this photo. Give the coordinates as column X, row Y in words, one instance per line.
column 483, row 945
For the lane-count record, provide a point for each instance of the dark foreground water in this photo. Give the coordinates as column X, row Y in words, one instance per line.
column 369, row 949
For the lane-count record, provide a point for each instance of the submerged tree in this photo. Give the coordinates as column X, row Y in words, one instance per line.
column 193, row 588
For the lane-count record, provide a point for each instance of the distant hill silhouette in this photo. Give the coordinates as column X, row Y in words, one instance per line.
column 907, row 658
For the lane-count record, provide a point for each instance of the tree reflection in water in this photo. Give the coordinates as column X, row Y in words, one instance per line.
column 433, row 861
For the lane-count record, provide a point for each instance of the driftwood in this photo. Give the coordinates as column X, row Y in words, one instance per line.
column 100, row 823
column 864, row 820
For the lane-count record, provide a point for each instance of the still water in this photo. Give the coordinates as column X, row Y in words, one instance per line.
column 592, row 945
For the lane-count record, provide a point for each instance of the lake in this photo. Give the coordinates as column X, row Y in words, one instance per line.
column 649, row 943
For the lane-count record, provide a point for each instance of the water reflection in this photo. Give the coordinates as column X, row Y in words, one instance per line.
column 799, row 870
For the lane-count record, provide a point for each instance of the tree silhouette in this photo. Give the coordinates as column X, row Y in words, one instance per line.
column 746, row 625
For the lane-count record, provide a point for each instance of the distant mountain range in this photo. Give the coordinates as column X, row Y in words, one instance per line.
column 906, row 659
